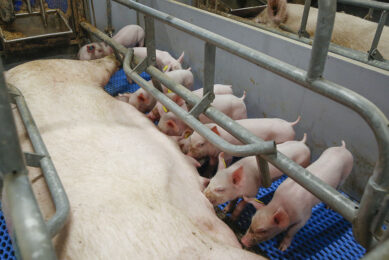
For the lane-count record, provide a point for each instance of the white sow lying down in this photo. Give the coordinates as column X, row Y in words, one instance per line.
column 133, row 195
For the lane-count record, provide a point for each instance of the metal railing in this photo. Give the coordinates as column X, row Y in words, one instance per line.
column 30, row 234
column 362, row 216
column 373, row 53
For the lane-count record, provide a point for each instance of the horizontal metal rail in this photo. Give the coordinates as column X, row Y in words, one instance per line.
column 29, row 233
column 322, row 190
column 378, row 184
column 373, row 53
column 346, row 52
column 57, row 191
column 368, row 4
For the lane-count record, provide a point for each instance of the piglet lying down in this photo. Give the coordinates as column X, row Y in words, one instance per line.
column 133, row 194
column 291, row 206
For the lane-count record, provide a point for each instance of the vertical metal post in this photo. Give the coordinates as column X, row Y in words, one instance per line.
column 43, row 13
column 321, row 42
column 109, row 30
column 302, row 32
column 150, row 40
column 374, row 53
column 209, row 70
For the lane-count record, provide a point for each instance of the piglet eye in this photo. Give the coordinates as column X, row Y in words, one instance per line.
column 220, row 190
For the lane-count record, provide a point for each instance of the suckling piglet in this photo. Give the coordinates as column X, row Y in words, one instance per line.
column 275, row 129
column 144, row 102
column 243, row 178
column 159, row 109
column 291, row 206
column 232, row 106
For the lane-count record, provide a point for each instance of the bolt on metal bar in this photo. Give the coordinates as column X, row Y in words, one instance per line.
column 302, row 32
column 367, row 110
column 57, row 192
column 237, row 150
column 367, row 4
column 373, row 53
column 18, row 201
column 324, row 26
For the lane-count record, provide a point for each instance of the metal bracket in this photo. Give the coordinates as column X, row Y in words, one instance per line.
column 204, row 103
column 375, row 55
column 303, row 34
column 33, row 159
column 142, row 66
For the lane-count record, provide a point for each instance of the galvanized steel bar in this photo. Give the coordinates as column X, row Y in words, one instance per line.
column 209, row 69
column 368, row 4
column 324, row 26
column 302, row 32
column 43, row 13
column 109, row 28
column 373, row 50
column 150, row 40
column 29, row 232
column 381, row 252
column 369, row 112
column 323, row 191
column 57, row 192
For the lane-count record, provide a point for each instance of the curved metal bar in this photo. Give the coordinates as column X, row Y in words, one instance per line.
column 57, row 191
column 237, row 150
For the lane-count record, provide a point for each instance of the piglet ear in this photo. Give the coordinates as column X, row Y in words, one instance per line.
column 181, row 58
column 222, row 164
column 214, row 129
column 142, row 98
column 171, row 124
column 256, row 203
column 237, row 176
column 189, row 69
column 186, row 133
column 281, row 218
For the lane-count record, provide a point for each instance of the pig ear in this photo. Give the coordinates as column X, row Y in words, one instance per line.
column 237, row 176
column 214, row 129
column 189, row 69
column 178, row 100
column 281, row 218
column 256, row 203
column 222, row 164
column 142, row 98
column 186, row 133
column 180, row 59
column 171, row 124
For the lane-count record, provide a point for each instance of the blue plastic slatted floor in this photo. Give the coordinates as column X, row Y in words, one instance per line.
column 52, row 4
column 327, row 235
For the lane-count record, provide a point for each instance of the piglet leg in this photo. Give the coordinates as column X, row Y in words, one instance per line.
column 287, row 240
